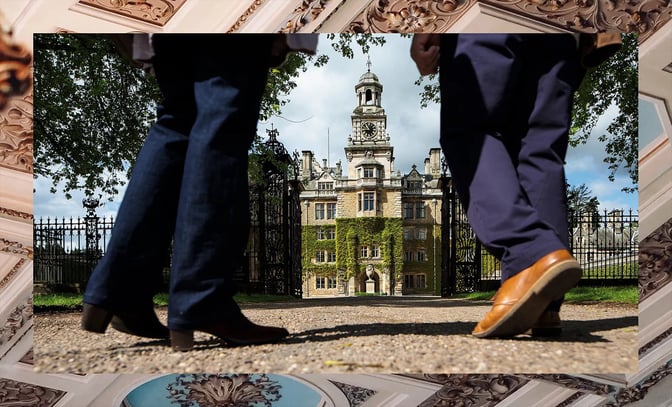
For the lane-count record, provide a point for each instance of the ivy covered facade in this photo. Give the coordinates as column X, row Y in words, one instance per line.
column 366, row 227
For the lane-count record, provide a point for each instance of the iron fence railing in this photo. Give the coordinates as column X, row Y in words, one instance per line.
column 606, row 244
column 67, row 250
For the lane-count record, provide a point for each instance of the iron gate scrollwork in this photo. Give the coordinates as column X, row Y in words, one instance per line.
column 93, row 253
column 447, row 278
column 274, row 248
column 294, row 222
column 465, row 251
column 461, row 252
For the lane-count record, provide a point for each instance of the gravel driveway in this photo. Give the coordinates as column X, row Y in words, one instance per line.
column 357, row 335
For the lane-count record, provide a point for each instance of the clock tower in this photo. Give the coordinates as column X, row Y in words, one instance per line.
column 366, row 223
column 369, row 122
column 369, row 139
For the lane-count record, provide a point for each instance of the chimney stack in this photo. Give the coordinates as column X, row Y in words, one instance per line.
column 307, row 164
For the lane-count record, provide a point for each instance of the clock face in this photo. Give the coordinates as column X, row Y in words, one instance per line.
column 369, row 129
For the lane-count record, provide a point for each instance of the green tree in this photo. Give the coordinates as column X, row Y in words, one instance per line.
column 581, row 202
column 93, row 106
column 612, row 83
column 92, row 110
column 615, row 82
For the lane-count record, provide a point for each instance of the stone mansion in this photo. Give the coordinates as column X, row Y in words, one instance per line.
column 366, row 227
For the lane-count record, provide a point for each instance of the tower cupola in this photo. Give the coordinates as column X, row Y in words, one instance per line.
column 369, row 90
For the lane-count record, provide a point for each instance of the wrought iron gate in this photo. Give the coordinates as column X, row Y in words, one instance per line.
column 67, row 251
column 605, row 245
column 274, row 248
column 461, row 251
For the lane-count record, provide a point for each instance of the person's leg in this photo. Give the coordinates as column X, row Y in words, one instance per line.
column 130, row 273
column 213, row 214
column 551, row 82
column 479, row 79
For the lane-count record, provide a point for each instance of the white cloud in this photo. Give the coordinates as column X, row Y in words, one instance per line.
column 578, row 164
column 327, row 95
column 51, row 205
column 585, row 165
column 609, row 193
column 323, row 103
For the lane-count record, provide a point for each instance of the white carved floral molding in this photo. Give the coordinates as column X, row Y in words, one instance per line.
column 157, row 12
column 646, row 17
column 641, row 16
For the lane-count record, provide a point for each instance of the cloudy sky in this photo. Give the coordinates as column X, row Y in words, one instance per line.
column 318, row 119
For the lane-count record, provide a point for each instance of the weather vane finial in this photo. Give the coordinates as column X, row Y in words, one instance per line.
column 272, row 133
column 368, row 63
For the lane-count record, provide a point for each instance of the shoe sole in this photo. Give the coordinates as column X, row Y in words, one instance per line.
column 555, row 282
column 97, row 319
column 182, row 341
column 142, row 332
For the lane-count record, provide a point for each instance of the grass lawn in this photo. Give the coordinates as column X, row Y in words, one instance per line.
column 624, row 294
column 66, row 300
column 619, row 294
column 629, row 270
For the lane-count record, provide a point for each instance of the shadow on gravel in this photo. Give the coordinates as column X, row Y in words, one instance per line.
column 143, row 345
column 575, row 331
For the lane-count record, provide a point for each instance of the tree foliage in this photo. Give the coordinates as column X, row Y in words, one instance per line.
column 582, row 202
column 613, row 83
column 343, row 43
column 92, row 110
column 94, row 107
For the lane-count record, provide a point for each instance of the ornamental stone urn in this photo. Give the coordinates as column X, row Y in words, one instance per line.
column 369, row 272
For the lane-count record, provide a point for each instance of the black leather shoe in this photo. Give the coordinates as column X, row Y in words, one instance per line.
column 238, row 331
column 142, row 323
column 548, row 325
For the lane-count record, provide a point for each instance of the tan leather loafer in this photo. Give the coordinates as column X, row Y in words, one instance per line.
column 522, row 299
column 549, row 324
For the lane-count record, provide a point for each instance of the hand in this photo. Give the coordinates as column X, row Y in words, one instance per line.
column 279, row 50
column 425, row 52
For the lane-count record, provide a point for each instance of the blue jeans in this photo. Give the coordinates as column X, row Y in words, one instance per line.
column 189, row 183
column 505, row 114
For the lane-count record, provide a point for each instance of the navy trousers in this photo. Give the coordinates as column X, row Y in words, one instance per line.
column 505, row 114
column 189, row 183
